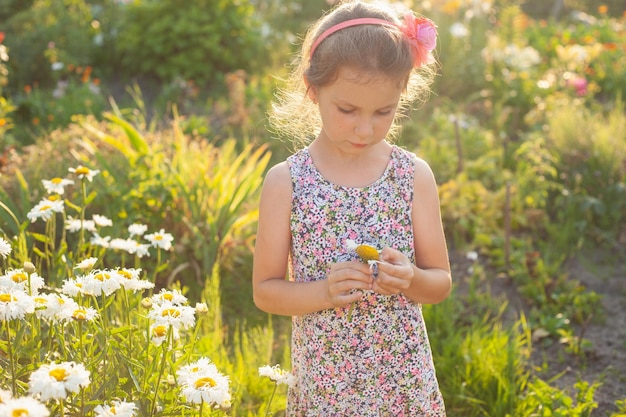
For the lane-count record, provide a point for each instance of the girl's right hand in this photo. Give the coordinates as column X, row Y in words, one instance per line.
column 343, row 278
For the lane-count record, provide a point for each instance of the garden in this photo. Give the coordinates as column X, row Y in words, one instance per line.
column 133, row 145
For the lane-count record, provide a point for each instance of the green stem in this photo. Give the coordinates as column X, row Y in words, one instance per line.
column 269, row 404
column 167, row 342
column 11, row 360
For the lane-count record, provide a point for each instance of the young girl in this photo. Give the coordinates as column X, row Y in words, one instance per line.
column 359, row 344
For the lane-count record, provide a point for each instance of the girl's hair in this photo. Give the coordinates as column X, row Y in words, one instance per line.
column 372, row 50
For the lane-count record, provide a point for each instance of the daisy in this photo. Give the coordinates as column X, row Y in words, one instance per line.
column 116, row 409
column 56, row 185
column 141, row 250
column 207, row 385
column 276, row 374
column 15, row 304
column 73, row 286
column 54, row 307
column 18, row 278
column 57, row 380
column 101, row 281
column 97, row 240
column 80, row 313
column 45, row 209
column 5, row 395
column 102, row 221
column 158, row 333
column 131, row 280
column 169, row 314
column 126, row 245
column 86, row 264
column 137, row 229
column 84, row 172
column 5, row 248
column 169, row 296
column 160, row 239
column 75, row 225
column 23, row 407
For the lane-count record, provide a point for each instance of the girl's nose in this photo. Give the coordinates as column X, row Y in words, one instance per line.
column 364, row 128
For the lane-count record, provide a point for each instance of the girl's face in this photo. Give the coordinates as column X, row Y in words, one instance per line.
column 357, row 110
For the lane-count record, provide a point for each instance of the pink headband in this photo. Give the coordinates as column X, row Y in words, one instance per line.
column 420, row 32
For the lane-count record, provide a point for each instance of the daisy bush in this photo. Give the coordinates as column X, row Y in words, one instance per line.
column 85, row 333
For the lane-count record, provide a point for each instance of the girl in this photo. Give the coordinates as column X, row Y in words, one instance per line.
column 359, row 344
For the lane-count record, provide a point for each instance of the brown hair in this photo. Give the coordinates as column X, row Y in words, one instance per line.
column 372, row 50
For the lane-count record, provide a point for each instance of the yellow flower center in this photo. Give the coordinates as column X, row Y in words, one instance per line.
column 112, row 410
column 56, row 180
column 167, row 297
column 80, row 314
column 19, row 412
column 102, row 276
column 19, row 277
column 172, row 312
column 40, row 300
column 367, row 253
column 7, row 298
column 81, row 170
column 126, row 274
column 205, row 382
column 158, row 237
column 59, row 374
column 44, row 208
column 159, row 331
column 54, row 197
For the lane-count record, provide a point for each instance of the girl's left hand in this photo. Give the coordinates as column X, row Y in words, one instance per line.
column 395, row 273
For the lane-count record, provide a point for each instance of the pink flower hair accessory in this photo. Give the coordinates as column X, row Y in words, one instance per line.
column 421, row 33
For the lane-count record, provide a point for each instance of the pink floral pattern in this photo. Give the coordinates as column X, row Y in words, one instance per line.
column 379, row 363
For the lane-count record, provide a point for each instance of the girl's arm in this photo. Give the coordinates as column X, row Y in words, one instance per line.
column 272, row 292
column 429, row 280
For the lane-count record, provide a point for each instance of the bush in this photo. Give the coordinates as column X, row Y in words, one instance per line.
column 198, row 40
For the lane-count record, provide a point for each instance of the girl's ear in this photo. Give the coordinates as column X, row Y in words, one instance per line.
column 311, row 91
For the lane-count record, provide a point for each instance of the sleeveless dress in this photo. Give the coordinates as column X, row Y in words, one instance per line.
column 378, row 362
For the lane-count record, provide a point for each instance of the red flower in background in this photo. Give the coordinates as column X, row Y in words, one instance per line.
column 1, row 36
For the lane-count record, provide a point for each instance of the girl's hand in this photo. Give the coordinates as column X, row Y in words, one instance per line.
column 344, row 277
column 395, row 273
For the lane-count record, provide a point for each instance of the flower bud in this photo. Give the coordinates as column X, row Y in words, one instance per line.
column 29, row 267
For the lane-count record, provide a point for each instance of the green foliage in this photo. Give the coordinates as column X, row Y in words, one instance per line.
column 544, row 400
column 51, row 31
column 198, row 40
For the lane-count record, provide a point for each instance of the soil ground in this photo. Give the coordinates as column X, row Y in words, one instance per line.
column 605, row 356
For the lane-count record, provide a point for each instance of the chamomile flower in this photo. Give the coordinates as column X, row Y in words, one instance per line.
column 97, row 240
column 76, row 225
column 15, row 304
column 137, row 229
column 86, row 264
column 276, row 374
column 54, row 307
column 158, row 333
column 18, row 278
column 23, row 407
column 56, row 185
column 126, row 245
column 366, row 252
column 131, row 281
column 5, row 248
column 116, row 409
column 73, row 286
column 169, row 314
column 57, row 380
column 5, row 395
column 45, row 209
column 80, row 313
column 203, row 383
column 84, row 172
column 160, row 239
column 101, row 281
column 102, row 221
column 169, row 296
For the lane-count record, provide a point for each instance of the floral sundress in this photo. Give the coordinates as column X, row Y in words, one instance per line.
column 378, row 362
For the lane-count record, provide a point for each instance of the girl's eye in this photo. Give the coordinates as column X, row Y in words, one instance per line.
column 345, row 111
column 384, row 113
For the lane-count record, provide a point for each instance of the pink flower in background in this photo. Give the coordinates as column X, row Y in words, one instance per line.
column 579, row 84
